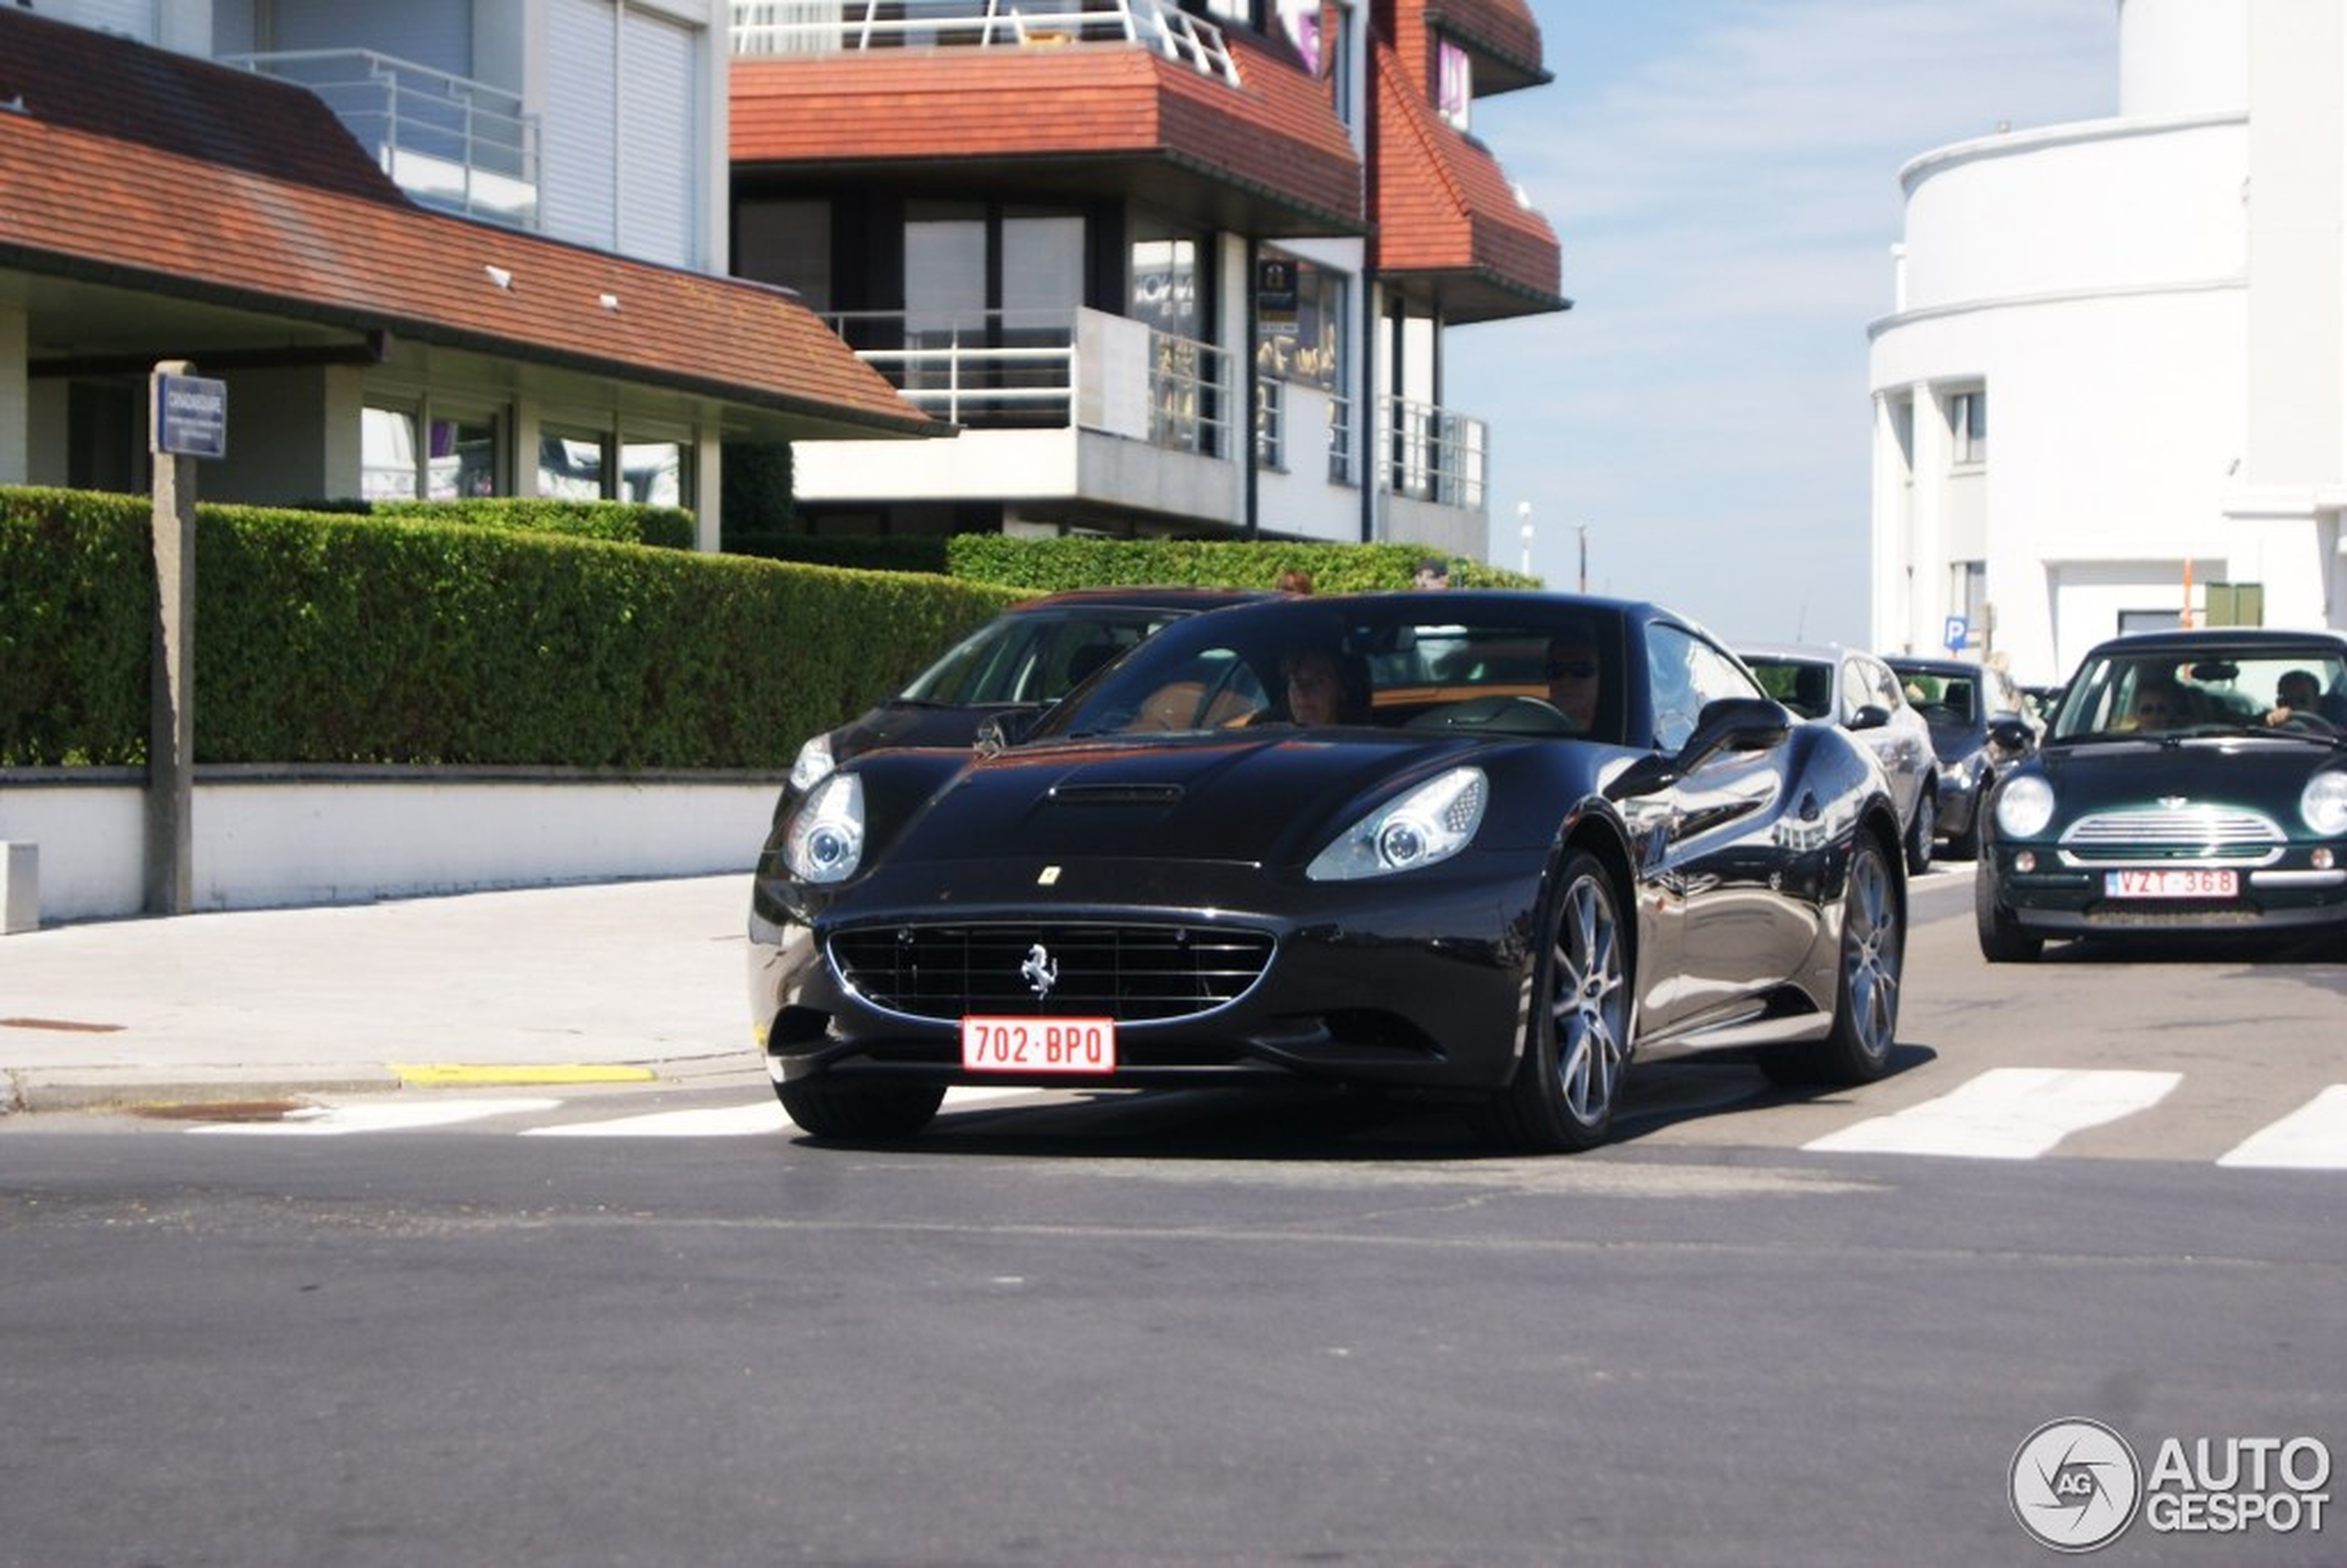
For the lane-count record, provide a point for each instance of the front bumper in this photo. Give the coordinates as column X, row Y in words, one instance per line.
column 2058, row 897
column 1420, row 986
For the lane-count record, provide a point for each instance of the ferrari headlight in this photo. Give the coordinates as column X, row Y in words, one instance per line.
column 2024, row 805
column 2324, row 803
column 1425, row 827
column 825, row 842
column 813, row 765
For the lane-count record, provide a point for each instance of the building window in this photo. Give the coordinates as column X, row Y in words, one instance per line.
column 571, row 464
column 406, row 453
column 1968, row 424
column 576, row 464
column 1168, row 290
column 1300, row 330
column 1454, row 83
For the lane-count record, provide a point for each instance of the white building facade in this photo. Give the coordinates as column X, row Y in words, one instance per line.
column 2112, row 394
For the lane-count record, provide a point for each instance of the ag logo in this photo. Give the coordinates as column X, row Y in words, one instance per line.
column 2075, row 1485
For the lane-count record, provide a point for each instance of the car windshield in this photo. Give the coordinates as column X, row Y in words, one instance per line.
column 1943, row 697
column 2120, row 692
column 1806, row 685
column 1501, row 664
column 1033, row 655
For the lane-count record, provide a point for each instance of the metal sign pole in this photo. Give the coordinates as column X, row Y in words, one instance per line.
column 171, row 730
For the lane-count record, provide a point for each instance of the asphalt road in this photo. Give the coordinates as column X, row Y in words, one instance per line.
column 645, row 1325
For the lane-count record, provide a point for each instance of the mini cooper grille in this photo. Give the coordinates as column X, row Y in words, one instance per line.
column 1133, row 974
column 2199, row 832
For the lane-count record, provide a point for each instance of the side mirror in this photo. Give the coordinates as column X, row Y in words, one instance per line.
column 1001, row 731
column 1735, row 724
column 2011, row 734
column 1727, row 724
column 1873, row 716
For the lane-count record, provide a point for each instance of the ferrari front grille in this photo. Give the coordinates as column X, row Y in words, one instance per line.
column 2198, row 833
column 1133, row 974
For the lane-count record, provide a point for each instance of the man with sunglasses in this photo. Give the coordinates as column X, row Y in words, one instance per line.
column 1573, row 675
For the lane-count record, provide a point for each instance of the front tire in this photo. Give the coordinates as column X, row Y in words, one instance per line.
column 1578, row 1046
column 1866, row 992
column 2002, row 941
column 1927, row 828
column 855, row 1112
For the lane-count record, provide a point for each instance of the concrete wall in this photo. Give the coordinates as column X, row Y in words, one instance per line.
column 273, row 838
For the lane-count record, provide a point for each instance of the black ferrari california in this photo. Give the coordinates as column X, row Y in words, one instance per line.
column 2193, row 783
column 1482, row 844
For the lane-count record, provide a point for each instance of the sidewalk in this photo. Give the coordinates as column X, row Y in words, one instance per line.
column 594, row 982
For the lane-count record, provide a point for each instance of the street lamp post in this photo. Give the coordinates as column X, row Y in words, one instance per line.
column 1582, row 529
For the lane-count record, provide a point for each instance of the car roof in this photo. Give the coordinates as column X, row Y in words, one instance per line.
column 1817, row 653
column 1149, row 597
column 1934, row 666
column 2204, row 640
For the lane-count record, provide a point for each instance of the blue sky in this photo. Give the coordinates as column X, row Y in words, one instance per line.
column 1723, row 177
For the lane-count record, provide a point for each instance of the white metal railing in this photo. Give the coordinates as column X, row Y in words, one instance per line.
column 830, row 27
column 452, row 143
column 1271, row 423
column 1431, row 453
column 1021, row 370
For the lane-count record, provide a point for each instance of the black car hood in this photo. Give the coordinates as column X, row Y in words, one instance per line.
column 2262, row 772
column 896, row 723
column 1267, row 797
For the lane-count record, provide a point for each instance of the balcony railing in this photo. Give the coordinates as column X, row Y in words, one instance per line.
column 831, row 27
column 449, row 142
column 1431, row 453
column 1007, row 369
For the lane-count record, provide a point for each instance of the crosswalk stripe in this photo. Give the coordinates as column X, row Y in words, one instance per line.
column 765, row 1118
column 2313, row 1137
column 2005, row 1113
column 336, row 1120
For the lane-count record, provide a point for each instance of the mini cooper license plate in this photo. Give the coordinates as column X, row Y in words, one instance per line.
column 2174, row 883
column 1038, row 1045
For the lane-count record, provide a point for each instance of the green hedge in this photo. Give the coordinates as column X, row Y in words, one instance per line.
column 361, row 639
column 622, row 522
column 1043, row 565
column 488, row 639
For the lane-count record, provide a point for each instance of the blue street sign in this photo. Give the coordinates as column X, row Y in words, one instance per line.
column 192, row 415
column 1957, row 630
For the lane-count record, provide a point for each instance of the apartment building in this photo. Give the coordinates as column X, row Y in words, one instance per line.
column 1166, row 269
column 432, row 247
column 2112, row 394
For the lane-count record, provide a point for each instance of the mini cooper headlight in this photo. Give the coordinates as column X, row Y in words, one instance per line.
column 1428, row 825
column 813, row 765
column 825, row 842
column 2024, row 805
column 2324, row 803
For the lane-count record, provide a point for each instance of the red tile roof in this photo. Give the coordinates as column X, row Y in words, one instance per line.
column 145, row 169
column 1446, row 213
column 1502, row 32
column 1272, row 135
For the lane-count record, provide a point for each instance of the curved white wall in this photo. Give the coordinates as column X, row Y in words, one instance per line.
column 2155, row 352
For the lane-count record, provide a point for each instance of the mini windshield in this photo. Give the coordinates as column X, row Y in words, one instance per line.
column 2124, row 693
column 1504, row 664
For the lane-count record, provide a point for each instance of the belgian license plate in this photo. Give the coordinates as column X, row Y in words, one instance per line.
column 1038, row 1045
column 2174, row 883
